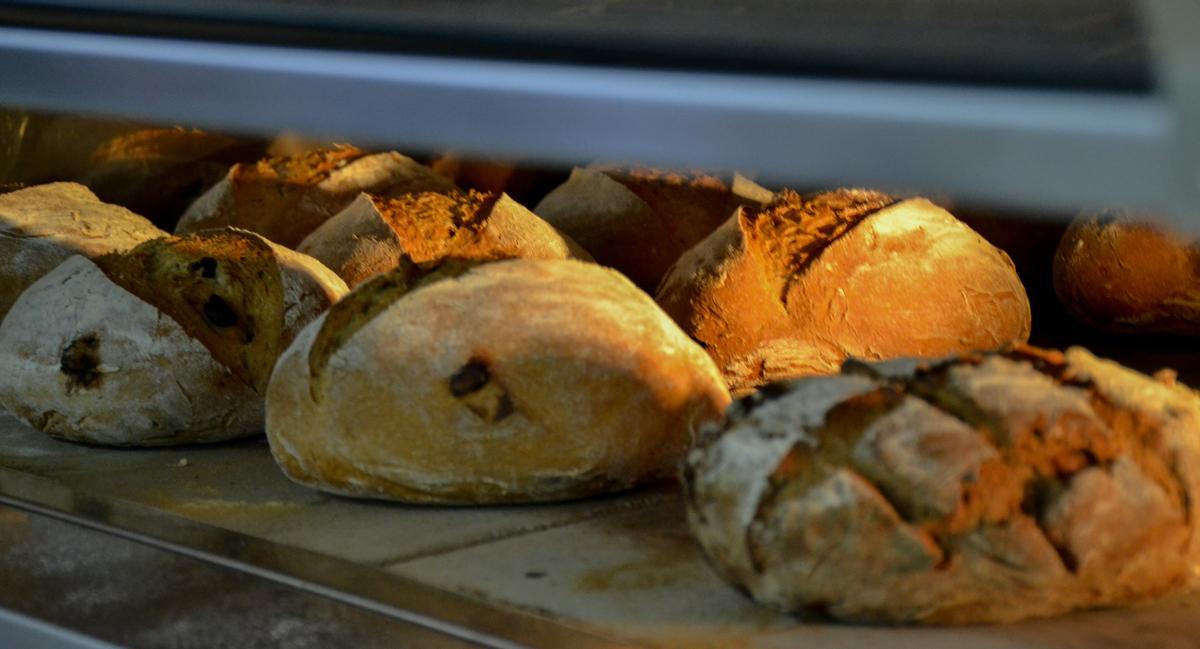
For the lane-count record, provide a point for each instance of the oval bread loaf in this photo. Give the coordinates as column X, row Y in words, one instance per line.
column 983, row 488
column 42, row 226
column 797, row 287
column 639, row 220
column 376, row 234
column 1122, row 273
column 172, row 342
column 287, row 197
column 514, row 381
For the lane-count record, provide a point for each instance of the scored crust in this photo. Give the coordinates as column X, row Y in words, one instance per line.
column 376, row 234
column 980, row 488
column 287, row 197
column 801, row 285
column 640, row 220
column 41, row 226
column 512, row 381
column 1124, row 273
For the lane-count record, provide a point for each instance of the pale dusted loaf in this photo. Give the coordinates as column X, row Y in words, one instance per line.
column 984, row 488
column 797, row 287
column 513, row 381
column 158, row 172
column 1122, row 272
column 640, row 220
column 41, row 226
column 376, row 234
column 169, row 343
column 285, row 198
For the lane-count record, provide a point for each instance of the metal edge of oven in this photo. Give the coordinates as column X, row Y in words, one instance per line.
column 393, row 596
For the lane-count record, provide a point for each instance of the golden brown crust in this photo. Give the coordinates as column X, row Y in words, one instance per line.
column 159, row 172
column 983, row 487
column 640, row 220
column 798, row 287
column 1122, row 273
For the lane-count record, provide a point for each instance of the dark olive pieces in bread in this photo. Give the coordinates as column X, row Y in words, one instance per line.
column 43, row 225
column 987, row 487
column 1123, row 273
column 171, row 342
column 512, row 381
column 798, row 286
column 639, row 220
column 376, row 234
column 287, row 197
column 159, row 172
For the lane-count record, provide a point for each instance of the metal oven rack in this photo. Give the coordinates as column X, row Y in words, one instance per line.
column 1045, row 106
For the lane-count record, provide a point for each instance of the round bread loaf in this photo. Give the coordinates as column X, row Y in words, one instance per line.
column 376, row 234
column 43, row 225
column 172, row 342
column 639, row 220
column 1122, row 273
column 285, row 198
column 159, row 172
column 797, row 287
column 514, row 381
column 984, row 488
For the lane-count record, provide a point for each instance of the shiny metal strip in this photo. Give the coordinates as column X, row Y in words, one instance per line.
column 343, row 581
column 18, row 630
column 1026, row 148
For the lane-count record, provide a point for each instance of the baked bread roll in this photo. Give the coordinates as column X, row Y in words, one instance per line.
column 169, row 343
column 376, row 234
column 522, row 181
column 638, row 220
column 984, row 488
column 513, row 381
column 41, row 226
column 285, row 198
column 159, row 172
column 1122, row 273
column 797, row 287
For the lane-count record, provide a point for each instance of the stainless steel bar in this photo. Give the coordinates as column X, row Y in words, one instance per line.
column 1025, row 148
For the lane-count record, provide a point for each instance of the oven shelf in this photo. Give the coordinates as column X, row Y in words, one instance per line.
column 1050, row 112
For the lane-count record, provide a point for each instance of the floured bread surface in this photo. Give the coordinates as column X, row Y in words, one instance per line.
column 799, row 286
column 513, row 381
column 285, row 198
column 979, row 488
column 41, row 226
column 209, row 315
column 83, row 359
column 376, row 234
column 640, row 220
column 1122, row 272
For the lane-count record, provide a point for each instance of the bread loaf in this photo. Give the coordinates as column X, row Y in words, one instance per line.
column 376, row 234
column 983, row 488
column 797, row 287
column 1123, row 273
column 513, row 381
column 639, row 220
column 41, row 226
column 285, row 198
column 171, row 342
column 159, row 172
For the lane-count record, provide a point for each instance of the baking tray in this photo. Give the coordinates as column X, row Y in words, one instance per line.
column 613, row 571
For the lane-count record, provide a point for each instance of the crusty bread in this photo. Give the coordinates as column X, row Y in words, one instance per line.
column 523, row 181
column 797, row 287
column 159, row 172
column 640, row 220
column 984, row 488
column 512, row 381
column 171, row 342
column 1124, row 273
column 41, row 226
column 419, row 229
column 287, row 197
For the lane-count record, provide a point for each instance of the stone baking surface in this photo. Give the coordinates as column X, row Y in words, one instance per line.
column 625, row 566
